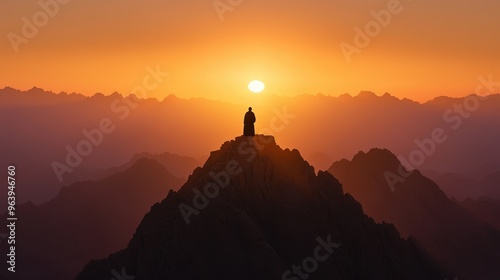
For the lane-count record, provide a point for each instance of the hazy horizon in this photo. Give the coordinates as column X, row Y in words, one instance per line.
column 259, row 97
column 293, row 47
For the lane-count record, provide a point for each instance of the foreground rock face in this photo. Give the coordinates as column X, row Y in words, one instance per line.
column 256, row 211
column 455, row 238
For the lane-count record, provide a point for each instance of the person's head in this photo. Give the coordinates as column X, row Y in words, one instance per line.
column 249, row 108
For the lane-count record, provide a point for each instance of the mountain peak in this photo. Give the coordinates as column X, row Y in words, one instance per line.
column 375, row 152
column 367, row 94
column 376, row 158
column 417, row 207
column 143, row 164
column 260, row 157
column 252, row 212
column 263, row 149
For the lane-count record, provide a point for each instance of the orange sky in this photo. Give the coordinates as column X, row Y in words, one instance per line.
column 428, row 48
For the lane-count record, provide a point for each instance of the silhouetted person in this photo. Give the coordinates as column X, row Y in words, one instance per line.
column 248, row 128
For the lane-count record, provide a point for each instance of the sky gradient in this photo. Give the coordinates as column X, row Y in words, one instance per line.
column 427, row 49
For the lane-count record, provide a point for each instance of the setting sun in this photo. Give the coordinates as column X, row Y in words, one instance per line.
column 256, row 86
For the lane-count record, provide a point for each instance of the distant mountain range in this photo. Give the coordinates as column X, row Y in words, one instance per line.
column 324, row 128
column 89, row 219
column 467, row 244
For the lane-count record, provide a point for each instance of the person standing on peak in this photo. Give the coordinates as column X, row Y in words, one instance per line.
column 248, row 128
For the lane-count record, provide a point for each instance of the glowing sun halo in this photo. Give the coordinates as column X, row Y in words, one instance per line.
column 256, row 86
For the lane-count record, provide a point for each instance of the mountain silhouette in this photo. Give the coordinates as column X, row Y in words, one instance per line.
column 86, row 220
column 257, row 211
column 417, row 207
column 353, row 123
column 179, row 166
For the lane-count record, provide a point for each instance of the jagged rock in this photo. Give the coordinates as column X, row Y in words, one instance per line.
column 268, row 217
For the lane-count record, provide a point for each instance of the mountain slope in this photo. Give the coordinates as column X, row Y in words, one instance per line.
column 86, row 220
column 255, row 211
column 417, row 207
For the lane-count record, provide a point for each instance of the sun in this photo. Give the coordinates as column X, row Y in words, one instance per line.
column 256, row 86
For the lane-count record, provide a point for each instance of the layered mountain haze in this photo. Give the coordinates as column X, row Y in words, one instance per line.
column 89, row 219
column 257, row 211
column 36, row 97
column 273, row 212
column 457, row 239
column 324, row 128
column 179, row 166
column 478, row 184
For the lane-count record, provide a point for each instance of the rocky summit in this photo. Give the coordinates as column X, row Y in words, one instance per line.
column 257, row 211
